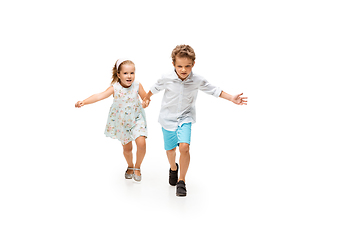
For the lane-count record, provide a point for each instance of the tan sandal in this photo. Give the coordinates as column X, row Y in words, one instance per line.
column 127, row 175
column 136, row 177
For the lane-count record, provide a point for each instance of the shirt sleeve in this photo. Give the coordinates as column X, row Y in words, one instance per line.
column 210, row 89
column 158, row 86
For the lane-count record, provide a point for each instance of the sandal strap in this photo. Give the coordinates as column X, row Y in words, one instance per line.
column 136, row 169
column 130, row 169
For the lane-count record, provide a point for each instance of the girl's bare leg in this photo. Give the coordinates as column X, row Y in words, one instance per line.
column 140, row 153
column 128, row 156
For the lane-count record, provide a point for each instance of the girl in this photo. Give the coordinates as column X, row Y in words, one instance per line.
column 126, row 121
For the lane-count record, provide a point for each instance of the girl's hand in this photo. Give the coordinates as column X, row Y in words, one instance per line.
column 79, row 104
column 237, row 99
column 145, row 103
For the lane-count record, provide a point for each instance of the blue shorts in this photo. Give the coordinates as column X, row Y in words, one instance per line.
column 172, row 139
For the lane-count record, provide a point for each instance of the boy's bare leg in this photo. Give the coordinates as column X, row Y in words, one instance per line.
column 140, row 153
column 171, row 154
column 184, row 160
column 128, row 156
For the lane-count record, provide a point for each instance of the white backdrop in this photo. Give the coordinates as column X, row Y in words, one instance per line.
column 284, row 167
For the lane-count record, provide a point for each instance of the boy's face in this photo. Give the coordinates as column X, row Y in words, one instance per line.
column 183, row 67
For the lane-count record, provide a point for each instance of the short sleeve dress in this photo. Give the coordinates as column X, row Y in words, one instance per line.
column 126, row 120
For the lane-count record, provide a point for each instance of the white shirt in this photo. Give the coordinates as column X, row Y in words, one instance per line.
column 178, row 104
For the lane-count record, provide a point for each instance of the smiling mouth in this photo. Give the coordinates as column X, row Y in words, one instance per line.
column 128, row 80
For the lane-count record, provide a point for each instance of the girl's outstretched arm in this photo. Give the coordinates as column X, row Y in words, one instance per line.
column 96, row 97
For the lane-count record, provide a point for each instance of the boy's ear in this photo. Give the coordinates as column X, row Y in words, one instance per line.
column 173, row 64
column 193, row 62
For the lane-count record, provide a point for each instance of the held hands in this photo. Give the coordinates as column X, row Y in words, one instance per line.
column 145, row 103
column 79, row 104
column 237, row 99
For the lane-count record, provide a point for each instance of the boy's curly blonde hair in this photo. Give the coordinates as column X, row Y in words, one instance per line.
column 183, row 51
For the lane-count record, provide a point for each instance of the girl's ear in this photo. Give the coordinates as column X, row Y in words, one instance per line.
column 118, row 75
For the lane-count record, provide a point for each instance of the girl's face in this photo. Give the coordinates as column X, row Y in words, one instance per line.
column 127, row 75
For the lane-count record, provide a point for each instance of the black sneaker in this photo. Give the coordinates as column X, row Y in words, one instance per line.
column 181, row 189
column 173, row 176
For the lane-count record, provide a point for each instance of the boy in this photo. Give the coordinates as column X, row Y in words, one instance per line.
column 178, row 110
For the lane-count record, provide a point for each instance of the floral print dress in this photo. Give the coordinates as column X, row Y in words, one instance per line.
column 126, row 120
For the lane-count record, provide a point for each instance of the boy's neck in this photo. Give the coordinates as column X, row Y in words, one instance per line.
column 186, row 78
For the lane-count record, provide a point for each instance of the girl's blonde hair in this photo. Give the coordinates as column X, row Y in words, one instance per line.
column 115, row 71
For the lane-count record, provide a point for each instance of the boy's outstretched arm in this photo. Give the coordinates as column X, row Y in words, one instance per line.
column 237, row 99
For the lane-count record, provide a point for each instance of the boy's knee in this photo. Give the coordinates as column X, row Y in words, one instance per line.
column 172, row 151
column 184, row 148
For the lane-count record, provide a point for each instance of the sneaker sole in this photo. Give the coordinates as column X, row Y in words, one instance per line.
column 181, row 194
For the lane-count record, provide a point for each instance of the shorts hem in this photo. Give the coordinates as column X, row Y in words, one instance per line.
column 172, row 139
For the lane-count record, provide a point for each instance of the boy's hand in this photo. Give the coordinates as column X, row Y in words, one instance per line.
column 145, row 103
column 237, row 99
column 79, row 104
